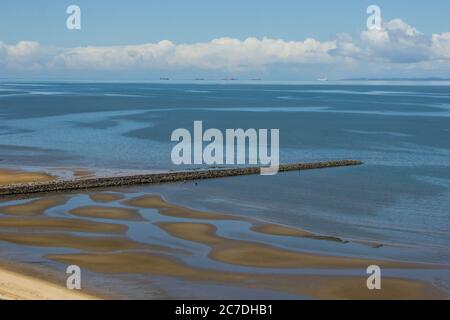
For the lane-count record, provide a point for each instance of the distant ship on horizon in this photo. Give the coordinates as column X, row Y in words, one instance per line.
column 322, row 79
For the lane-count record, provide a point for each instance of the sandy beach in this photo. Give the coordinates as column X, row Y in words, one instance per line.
column 17, row 286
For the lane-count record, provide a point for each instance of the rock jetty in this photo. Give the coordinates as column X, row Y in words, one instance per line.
column 103, row 182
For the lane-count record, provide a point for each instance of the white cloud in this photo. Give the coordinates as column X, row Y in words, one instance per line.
column 396, row 43
column 115, row 57
column 25, row 55
column 440, row 47
column 218, row 54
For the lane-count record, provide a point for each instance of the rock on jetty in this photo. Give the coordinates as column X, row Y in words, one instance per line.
column 102, row 182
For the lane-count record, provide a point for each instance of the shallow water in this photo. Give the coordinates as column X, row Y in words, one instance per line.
column 400, row 197
column 154, row 249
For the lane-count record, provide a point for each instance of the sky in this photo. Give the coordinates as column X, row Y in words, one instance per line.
column 283, row 39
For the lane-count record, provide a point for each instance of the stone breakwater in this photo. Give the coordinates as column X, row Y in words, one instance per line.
column 90, row 183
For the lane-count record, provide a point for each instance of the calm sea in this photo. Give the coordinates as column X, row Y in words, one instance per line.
column 400, row 196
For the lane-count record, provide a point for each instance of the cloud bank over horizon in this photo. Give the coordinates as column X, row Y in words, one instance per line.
column 396, row 48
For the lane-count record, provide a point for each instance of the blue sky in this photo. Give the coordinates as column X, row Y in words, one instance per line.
column 137, row 22
column 112, row 22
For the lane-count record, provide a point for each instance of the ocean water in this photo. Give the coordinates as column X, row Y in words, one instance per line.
column 400, row 196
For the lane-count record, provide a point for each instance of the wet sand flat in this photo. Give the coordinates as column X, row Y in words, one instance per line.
column 105, row 197
column 34, row 207
column 165, row 208
column 323, row 287
column 61, row 224
column 113, row 213
column 83, row 173
column 59, row 240
column 16, row 177
column 255, row 254
column 278, row 230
